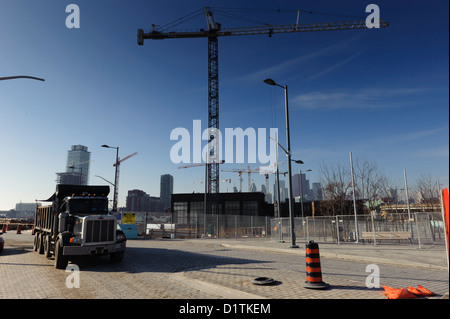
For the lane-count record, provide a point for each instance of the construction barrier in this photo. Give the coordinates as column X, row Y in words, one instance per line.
column 19, row 229
column 4, row 228
column 445, row 212
column 313, row 269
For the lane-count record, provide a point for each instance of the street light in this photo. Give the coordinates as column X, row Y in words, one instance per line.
column 20, row 77
column 115, row 178
column 278, row 178
column 288, row 153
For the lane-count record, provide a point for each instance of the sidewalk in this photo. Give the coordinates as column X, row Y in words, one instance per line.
column 431, row 257
column 236, row 280
column 226, row 268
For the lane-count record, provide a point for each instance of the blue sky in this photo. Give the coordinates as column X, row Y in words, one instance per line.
column 381, row 93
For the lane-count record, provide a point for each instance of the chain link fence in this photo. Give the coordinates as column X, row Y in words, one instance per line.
column 421, row 229
column 198, row 226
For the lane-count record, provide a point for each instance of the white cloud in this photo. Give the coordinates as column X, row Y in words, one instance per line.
column 442, row 151
column 288, row 65
column 416, row 135
column 360, row 99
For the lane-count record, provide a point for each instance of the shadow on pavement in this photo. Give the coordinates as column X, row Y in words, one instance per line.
column 139, row 260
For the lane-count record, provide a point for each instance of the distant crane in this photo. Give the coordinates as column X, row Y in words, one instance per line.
column 116, row 185
column 243, row 171
column 197, row 164
column 215, row 30
column 222, row 181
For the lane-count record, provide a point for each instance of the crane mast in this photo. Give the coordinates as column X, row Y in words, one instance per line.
column 214, row 31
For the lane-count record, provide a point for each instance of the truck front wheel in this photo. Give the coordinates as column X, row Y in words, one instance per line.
column 61, row 261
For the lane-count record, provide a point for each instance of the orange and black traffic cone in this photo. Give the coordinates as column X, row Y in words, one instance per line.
column 19, row 229
column 313, row 269
column 4, row 228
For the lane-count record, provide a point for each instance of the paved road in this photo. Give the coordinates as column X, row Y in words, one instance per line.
column 205, row 269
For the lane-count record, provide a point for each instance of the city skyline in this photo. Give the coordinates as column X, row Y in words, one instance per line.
column 379, row 93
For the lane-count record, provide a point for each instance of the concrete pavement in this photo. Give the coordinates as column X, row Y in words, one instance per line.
column 343, row 267
column 225, row 268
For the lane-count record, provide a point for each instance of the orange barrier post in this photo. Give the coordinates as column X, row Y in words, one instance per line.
column 4, row 228
column 19, row 229
column 8, row 227
column 313, row 269
column 445, row 212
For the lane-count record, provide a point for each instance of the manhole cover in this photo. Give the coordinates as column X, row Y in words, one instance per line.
column 263, row 281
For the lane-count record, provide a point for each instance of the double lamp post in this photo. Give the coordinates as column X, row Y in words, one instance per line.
column 288, row 153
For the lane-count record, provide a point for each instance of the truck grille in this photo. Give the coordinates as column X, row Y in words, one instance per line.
column 99, row 230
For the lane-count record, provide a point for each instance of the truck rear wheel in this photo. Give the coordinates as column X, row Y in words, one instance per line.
column 35, row 241
column 61, row 261
column 47, row 246
column 40, row 244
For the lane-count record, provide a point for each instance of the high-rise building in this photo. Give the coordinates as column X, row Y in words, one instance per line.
column 317, row 191
column 166, row 190
column 283, row 192
column 139, row 201
column 77, row 167
column 301, row 185
column 78, row 159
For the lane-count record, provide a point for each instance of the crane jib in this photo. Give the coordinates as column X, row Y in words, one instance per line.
column 256, row 30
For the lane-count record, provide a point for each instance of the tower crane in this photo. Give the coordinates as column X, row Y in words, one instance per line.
column 215, row 30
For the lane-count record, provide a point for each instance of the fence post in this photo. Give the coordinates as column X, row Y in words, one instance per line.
column 337, row 229
column 418, row 229
column 307, row 230
column 266, row 228
column 280, row 223
column 373, row 230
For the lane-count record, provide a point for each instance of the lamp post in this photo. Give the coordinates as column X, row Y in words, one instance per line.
column 278, row 181
column 114, row 209
column 20, row 77
column 288, row 153
column 409, row 209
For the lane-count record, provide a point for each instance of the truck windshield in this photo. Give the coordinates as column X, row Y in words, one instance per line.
column 85, row 206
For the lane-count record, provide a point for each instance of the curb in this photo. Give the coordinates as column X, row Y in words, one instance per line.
column 214, row 289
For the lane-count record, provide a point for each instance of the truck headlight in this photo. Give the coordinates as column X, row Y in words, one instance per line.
column 120, row 237
column 75, row 240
